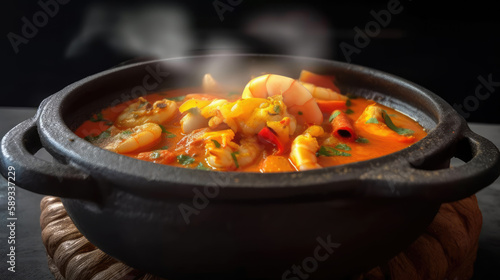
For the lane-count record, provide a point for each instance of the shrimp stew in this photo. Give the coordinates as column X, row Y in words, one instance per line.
column 276, row 124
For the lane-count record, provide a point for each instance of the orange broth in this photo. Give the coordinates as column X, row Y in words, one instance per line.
column 373, row 147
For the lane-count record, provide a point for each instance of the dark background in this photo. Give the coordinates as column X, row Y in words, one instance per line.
column 443, row 47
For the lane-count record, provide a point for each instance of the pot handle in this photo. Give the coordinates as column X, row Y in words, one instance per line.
column 21, row 168
column 481, row 168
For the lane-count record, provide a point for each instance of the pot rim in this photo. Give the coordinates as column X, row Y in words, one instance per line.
column 157, row 180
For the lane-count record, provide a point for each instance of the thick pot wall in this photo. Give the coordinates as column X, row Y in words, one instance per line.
column 249, row 240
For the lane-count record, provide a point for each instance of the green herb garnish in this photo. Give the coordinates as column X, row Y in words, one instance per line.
column 351, row 96
column 127, row 132
column 177, row 98
column 200, row 166
column 300, row 113
column 343, row 146
column 233, row 155
column 329, row 152
column 164, row 130
column 276, row 109
column 334, row 115
column 185, row 159
column 163, row 148
column 349, row 111
column 398, row 130
column 102, row 135
column 216, row 143
column 362, row 140
column 348, row 102
column 372, row 120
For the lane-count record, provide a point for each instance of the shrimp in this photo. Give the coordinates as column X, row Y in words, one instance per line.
column 212, row 112
column 130, row 140
column 373, row 122
column 221, row 158
column 225, row 154
column 142, row 112
column 296, row 97
column 212, row 109
column 323, row 93
column 220, row 149
column 223, row 137
column 248, row 151
column 303, row 152
column 315, row 131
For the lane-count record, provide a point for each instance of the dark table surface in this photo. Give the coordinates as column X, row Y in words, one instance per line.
column 31, row 261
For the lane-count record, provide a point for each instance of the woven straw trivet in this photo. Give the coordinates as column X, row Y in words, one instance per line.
column 447, row 250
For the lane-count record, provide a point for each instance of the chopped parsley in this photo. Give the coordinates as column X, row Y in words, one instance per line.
column 233, row 155
column 185, row 159
column 127, row 132
column 398, row 130
column 372, row 120
column 349, row 111
column 348, row 102
column 276, row 109
column 343, row 146
column 163, row 148
column 362, row 140
column 103, row 135
column 334, row 115
column 216, row 143
column 164, row 130
column 300, row 113
column 200, row 166
column 329, row 152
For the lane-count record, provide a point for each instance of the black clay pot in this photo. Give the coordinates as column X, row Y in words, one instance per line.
column 192, row 224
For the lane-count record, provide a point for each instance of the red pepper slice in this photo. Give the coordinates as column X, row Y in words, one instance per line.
column 268, row 136
column 328, row 106
column 343, row 127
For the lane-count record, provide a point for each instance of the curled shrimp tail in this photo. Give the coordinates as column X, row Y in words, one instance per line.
column 296, row 97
